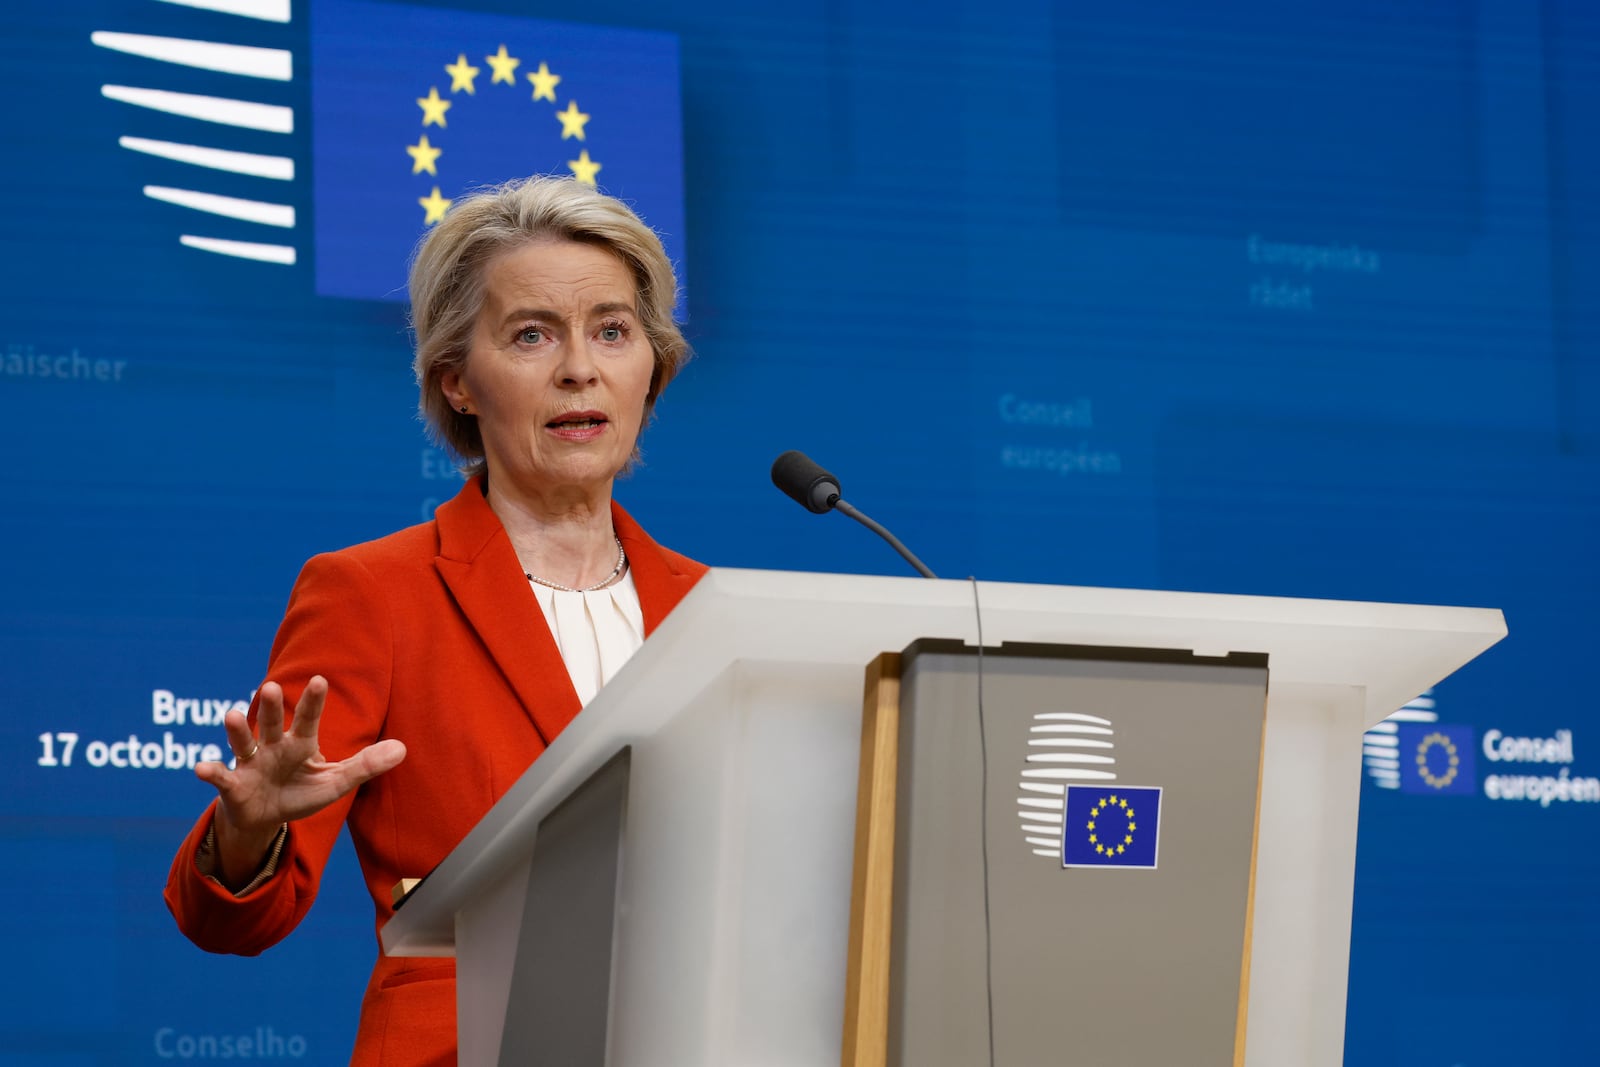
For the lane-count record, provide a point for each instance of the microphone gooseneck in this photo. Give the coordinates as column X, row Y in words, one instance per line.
column 814, row 489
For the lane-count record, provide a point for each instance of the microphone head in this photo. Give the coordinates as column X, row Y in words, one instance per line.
column 811, row 486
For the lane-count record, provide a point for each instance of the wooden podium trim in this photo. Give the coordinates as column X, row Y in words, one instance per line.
column 402, row 889
column 866, row 1006
column 1250, row 905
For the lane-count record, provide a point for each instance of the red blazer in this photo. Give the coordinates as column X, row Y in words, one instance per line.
column 430, row 635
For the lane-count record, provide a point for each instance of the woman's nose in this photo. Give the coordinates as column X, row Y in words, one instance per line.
column 578, row 367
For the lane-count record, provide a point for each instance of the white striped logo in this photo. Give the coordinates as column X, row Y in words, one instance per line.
column 1064, row 748
column 1380, row 746
column 215, row 117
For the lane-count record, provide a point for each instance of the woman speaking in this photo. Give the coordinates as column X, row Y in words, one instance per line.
column 429, row 668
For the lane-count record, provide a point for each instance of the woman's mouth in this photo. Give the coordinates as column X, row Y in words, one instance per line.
column 578, row 425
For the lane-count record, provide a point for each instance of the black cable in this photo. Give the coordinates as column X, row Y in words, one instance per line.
column 983, row 828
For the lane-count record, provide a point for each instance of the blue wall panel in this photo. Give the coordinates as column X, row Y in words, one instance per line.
column 1292, row 299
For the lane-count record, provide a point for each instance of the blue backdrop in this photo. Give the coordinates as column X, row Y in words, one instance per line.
column 1289, row 298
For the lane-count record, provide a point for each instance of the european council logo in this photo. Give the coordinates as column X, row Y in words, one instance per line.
column 413, row 107
column 1437, row 759
column 410, row 108
column 1111, row 827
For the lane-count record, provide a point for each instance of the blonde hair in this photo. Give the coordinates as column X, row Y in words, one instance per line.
column 448, row 287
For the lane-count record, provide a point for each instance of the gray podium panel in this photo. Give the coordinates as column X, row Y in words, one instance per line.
column 1119, row 792
column 560, row 1000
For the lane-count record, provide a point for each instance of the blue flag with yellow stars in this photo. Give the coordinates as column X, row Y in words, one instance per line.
column 1437, row 760
column 413, row 107
column 1117, row 827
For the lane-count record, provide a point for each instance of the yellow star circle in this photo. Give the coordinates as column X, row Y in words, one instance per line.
column 1438, row 781
column 1127, row 838
column 463, row 78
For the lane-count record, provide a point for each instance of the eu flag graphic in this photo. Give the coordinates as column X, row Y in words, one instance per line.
column 1111, row 827
column 414, row 107
column 1437, row 759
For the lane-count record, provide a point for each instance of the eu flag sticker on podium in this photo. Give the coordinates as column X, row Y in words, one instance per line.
column 1117, row 827
column 413, row 107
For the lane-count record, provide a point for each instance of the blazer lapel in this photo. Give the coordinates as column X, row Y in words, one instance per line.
column 662, row 578
column 480, row 568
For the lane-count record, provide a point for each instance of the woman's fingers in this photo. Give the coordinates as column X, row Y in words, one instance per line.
column 280, row 777
column 269, row 714
column 373, row 760
column 237, row 727
column 212, row 774
column 308, row 712
column 270, row 719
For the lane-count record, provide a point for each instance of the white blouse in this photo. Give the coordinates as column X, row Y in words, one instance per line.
column 595, row 632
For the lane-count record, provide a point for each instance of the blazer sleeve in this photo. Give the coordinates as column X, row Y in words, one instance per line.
column 338, row 625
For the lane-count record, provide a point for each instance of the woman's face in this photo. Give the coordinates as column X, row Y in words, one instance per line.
column 559, row 367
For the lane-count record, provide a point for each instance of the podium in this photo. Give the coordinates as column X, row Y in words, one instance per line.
column 689, row 842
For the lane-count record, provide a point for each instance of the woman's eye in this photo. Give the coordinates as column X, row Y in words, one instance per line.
column 532, row 335
column 611, row 333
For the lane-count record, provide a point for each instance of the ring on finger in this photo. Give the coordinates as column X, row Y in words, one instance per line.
column 248, row 755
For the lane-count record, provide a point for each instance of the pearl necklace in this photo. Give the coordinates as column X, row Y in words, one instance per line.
column 616, row 572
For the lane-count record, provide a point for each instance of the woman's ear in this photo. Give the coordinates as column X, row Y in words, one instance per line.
column 455, row 390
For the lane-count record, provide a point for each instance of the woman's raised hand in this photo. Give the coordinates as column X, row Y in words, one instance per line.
column 280, row 776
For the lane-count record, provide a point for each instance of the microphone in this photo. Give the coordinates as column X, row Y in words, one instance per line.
column 811, row 487
column 814, row 489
